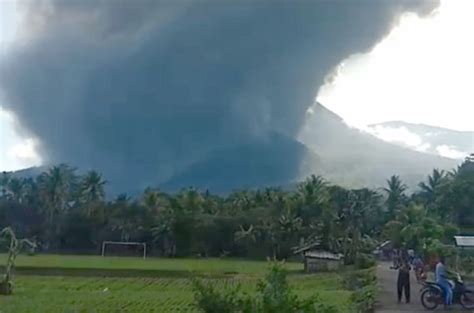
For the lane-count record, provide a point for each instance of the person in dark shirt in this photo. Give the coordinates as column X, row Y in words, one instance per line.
column 403, row 282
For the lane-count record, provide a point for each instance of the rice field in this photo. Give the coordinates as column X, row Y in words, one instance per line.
column 160, row 293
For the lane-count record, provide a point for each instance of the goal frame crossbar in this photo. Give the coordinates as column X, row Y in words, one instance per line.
column 126, row 243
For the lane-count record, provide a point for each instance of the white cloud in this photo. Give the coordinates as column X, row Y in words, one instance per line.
column 400, row 135
column 404, row 137
column 17, row 151
column 451, row 152
column 25, row 151
column 420, row 73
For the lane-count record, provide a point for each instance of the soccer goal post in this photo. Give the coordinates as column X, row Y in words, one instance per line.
column 123, row 243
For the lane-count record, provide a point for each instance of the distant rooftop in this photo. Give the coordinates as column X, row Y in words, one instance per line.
column 464, row 241
column 325, row 255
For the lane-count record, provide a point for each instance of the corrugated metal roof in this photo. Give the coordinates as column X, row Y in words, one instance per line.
column 326, row 255
column 300, row 249
column 464, row 241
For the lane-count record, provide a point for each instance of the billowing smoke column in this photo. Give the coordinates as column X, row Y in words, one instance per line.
column 142, row 88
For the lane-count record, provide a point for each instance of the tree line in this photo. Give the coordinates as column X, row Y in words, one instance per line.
column 66, row 212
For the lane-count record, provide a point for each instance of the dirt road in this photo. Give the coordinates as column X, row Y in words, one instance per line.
column 387, row 298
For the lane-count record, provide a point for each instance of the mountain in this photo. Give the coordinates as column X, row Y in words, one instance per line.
column 274, row 160
column 430, row 139
column 357, row 158
column 30, row 172
column 326, row 146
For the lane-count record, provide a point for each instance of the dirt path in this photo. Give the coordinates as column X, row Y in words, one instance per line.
column 387, row 298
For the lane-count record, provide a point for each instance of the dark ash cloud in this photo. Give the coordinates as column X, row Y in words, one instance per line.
column 141, row 88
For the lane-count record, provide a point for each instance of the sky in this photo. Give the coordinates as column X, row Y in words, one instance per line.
column 421, row 72
column 16, row 150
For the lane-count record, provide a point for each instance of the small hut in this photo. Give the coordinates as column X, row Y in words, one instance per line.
column 317, row 259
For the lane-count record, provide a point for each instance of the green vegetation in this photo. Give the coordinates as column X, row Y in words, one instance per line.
column 15, row 246
column 148, row 294
column 163, row 266
column 363, row 283
column 64, row 212
column 67, row 212
column 272, row 294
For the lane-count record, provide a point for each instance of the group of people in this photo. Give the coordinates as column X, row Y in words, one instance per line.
column 404, row 261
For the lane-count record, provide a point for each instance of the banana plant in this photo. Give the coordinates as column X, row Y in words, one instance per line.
column 14, row 248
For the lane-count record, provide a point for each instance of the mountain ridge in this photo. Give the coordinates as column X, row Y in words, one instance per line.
column 326, row 146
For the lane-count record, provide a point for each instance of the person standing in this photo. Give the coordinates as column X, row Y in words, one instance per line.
column 403, row 281
column 418, row 267
column 411, row 256
column 443, row 282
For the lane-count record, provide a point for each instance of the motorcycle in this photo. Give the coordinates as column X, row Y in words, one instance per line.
column 432, row 295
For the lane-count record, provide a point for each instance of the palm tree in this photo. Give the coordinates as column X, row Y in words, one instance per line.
column 56, row 187
column 246, row 235
column 16, row 189
column 290, row 224
column 151, row 199
column 430, row 189
column 396, row 197
column 92, row 191
column 314, row 194
column 461, row 194
column 126, row 217
column 434, row 180
column 190, row 200
column 4, row 183
column 241, row 201
column 351, row 220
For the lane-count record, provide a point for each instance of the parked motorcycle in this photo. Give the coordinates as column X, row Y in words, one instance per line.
column 432, row 295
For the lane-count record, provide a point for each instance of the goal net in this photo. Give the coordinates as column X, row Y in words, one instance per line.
column 121, row 248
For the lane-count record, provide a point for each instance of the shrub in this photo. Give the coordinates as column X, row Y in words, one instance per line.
column 274, row 295
column 355, row 280
column 467, row 264
column 210, row 300
column 364, row 261
column 363, row 299
column 363, row 283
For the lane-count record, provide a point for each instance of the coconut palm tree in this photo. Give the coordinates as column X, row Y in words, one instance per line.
column 430, row 189
column 56, row 186
column 16, row 189
column 314, row 195
column 246, row 235
column 126, row 217
column 396, row 197
column 190, row 200
column 4, row 184
column 241, row 201
column 92, row 191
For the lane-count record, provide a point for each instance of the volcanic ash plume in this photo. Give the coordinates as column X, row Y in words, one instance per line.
column 139, row 89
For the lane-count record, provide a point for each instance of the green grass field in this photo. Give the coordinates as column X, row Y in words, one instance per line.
column 162, row 265
column 161, row 293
